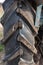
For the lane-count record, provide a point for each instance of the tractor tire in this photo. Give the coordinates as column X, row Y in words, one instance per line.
column 19, row 32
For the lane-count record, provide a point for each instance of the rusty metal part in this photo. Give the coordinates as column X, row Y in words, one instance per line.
column 27, row 44
column 11, row 31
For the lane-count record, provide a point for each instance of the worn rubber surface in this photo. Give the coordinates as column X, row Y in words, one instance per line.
column 15, row 12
